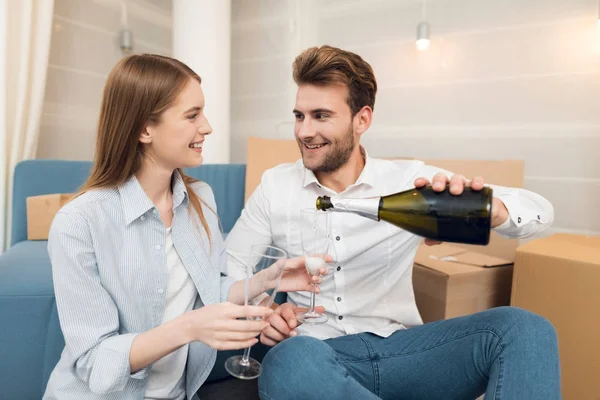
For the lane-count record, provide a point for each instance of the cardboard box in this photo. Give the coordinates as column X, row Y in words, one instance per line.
column 41, row 211
column 450, row 281
column 264, row 154
column 267, row 153
column 558, row 277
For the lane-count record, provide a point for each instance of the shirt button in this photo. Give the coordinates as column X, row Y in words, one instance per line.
column 337, row 238
column 155, row 212
column 339, row 268
column 157, row 247
column 339, row 299
column 142, row 218
column 539, row 217
column 341, row 317
column 519, row 220
column 160, row 291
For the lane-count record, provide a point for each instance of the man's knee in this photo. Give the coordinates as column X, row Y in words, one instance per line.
column 290, row 364
column 524, row 323
column 296, row 352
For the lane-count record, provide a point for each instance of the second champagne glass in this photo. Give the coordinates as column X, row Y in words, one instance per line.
column 263, row 275
column 316, row 239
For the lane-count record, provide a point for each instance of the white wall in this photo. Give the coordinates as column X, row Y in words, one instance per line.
column 84, row 49
column 516, row 79
column 202, row 40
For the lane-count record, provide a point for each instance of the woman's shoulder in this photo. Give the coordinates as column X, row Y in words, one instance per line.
column 84, row 201
column 84, row 206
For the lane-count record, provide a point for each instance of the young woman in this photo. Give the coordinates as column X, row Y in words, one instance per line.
column 136, row 257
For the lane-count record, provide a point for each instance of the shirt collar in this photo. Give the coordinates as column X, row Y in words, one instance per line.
column 367, row 176
column 136, row 202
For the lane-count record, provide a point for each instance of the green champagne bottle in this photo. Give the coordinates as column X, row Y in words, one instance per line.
column 441, row 216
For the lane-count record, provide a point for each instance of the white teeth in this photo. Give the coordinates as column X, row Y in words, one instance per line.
column 314, row 146
column 196, row 145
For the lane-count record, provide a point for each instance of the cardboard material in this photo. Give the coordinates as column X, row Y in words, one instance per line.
column 264, row 154
column 450, row 281
column 558, row 277
column 41, row 211
column 267, row 153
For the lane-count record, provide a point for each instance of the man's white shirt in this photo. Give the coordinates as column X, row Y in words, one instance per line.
column 369, row 286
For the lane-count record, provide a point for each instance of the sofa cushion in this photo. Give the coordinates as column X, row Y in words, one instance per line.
column 31, row 340
column 25, row 270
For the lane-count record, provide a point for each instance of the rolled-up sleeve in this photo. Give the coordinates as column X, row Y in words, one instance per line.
column 226, row 283
column 89, row 318
column 528, row 212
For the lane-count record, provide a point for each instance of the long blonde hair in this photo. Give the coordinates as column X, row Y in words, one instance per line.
column 138, row 90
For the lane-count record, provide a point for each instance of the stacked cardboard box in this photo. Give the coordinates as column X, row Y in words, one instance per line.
column 558, row 277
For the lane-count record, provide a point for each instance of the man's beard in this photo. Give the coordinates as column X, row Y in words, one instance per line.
column 340, row 154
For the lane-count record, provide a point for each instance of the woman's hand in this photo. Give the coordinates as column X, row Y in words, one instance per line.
column 218, row 325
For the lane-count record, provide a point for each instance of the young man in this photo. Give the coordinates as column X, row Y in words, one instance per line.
column 374, row 344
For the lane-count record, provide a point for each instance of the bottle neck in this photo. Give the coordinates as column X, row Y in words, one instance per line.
column 368, row 207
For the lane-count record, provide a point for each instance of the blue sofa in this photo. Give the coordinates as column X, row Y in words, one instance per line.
column 30, row 337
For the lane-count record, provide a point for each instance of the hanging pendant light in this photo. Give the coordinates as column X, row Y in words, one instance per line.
column 125, row 35
column 423, row 31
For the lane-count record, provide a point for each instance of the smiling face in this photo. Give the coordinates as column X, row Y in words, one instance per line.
column 175, row 141
column 324, row 127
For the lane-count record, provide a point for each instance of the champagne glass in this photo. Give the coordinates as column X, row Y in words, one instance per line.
column 316, row 238
column 263, row 274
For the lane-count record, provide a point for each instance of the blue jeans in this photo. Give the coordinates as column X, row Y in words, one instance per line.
column 506, row 352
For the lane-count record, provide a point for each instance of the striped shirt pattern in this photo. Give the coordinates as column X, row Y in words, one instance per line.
column 110, row 280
